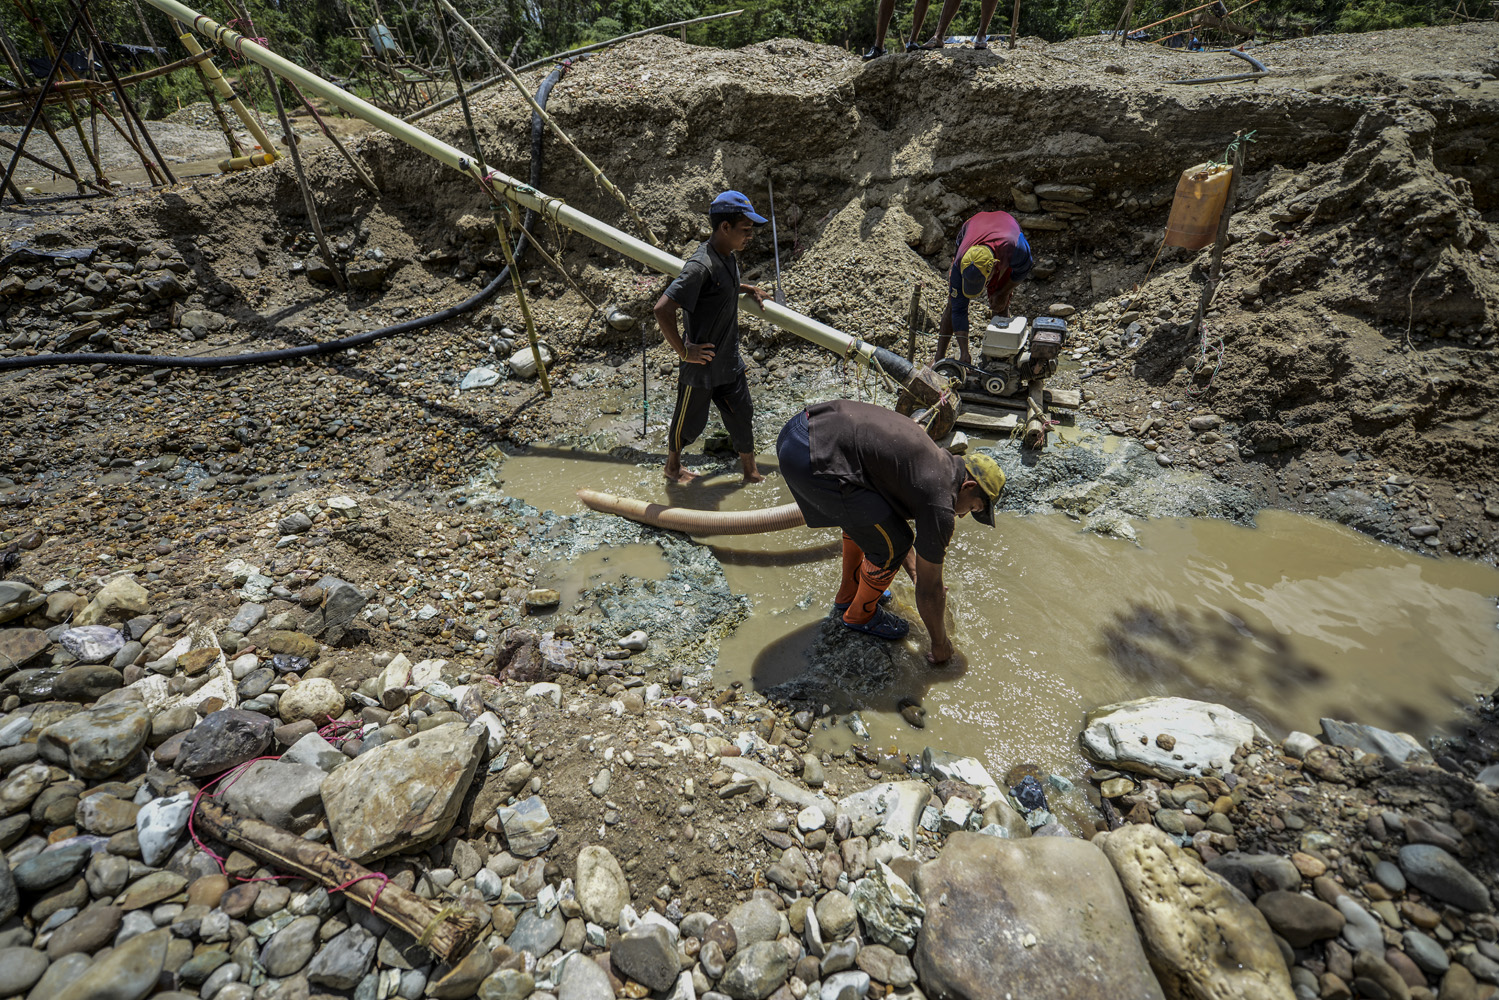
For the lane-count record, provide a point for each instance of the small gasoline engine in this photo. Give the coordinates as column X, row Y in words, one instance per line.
column 1011, row 356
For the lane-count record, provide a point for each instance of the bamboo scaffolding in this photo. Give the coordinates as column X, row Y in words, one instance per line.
column 537, row 109
column 448, row 102
column 52, row 52
column 364, row 175
column 126, row 104
column 497, row 208
column 72, row 171
column 54, row 96
column 36, row 111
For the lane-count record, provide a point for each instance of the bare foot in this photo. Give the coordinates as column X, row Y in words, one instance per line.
column 679, row 475
column 980, row 43
column 753, row 476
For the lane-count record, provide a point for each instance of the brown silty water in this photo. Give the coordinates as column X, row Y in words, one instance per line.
column 1288, row 621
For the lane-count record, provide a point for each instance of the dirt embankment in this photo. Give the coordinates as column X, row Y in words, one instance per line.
column 1356, row 316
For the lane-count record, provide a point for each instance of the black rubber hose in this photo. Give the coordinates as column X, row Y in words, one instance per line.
column 1260, row 70
column 332, row 346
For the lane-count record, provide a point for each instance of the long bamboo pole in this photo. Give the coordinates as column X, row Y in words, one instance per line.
column 364, row 175
column 598, row 175
column 252, row 124
column 555, row 209
column 496, row 208
column 447, row 102
column 52, row 51
column 1173, row 17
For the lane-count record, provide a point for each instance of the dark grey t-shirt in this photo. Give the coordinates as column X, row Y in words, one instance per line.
column 708, row 292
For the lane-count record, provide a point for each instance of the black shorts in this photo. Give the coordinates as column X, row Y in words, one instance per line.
column 691, row 414
column 880, row 533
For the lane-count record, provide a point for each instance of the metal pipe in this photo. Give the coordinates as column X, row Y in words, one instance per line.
column 659, row 260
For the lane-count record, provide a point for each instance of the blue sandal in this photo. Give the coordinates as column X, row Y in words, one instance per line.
column 883, row 625
column 839, row 608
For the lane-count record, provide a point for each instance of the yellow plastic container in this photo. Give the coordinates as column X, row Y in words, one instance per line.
column 1200, row 196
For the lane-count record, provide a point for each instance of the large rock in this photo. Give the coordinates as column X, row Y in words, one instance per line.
column 93, row 643
column 19, row 646
column 158, row 825
column 290, row 948
column 97, row 742
column 647, row 955
column 1204, row 940
column 341, row 602
column 129, row 972
column 404, row 795
column 223, row 740
column 318, row 700
column 756, row 972
column 1434, row 871
column 119, row 599
column 1301, row 920
column 583, row 979
column 1205, row 735
column 18, row 599
column 1021, row 918
column 528, row 827
column 343, row 961
column 287, row 796
column 601, row 886
column 1399, row 748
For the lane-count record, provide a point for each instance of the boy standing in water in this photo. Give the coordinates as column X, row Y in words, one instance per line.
column 711, row 370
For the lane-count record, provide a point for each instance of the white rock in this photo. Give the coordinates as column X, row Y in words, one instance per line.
column 1206, row 735
column 635, row 641
column 159, row 824
column 548, row 690
column 495, row 729
column 524, row 364
column 479, row 378
column 959, row 443
column 342, row 506
column 811, row 818
column 1299, row 744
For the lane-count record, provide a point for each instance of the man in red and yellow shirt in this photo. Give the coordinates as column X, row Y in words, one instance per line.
column 993, row 257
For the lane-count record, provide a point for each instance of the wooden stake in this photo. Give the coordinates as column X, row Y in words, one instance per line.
column 1218, row 242
column 307, row 199
column 1123, row 29
column 1014, row 23
column 911, row 321
column 1035, row 415
column 126, row 105
column 445, row 931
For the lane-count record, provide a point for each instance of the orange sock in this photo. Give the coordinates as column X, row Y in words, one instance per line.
column 848, row 586
column 873, row 582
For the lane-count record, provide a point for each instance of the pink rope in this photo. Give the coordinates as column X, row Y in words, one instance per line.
column 233, row 774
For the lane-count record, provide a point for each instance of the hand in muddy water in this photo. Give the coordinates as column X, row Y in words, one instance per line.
column 698, row 354
column 941, row 655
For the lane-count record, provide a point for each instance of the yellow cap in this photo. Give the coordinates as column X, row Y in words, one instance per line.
column 976, row 267
column 991, row 479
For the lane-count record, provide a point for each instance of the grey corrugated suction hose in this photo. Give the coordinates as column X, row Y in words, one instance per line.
column 696, row 522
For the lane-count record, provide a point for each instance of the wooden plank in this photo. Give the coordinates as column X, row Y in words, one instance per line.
column 981, row 422
column 1064, row 399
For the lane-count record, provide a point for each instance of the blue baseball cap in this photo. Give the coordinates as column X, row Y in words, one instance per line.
column 733, row 201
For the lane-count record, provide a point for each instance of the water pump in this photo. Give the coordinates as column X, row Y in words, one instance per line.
column 1014, row 352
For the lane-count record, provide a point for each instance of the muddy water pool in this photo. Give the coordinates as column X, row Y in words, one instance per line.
column 1288, row 621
